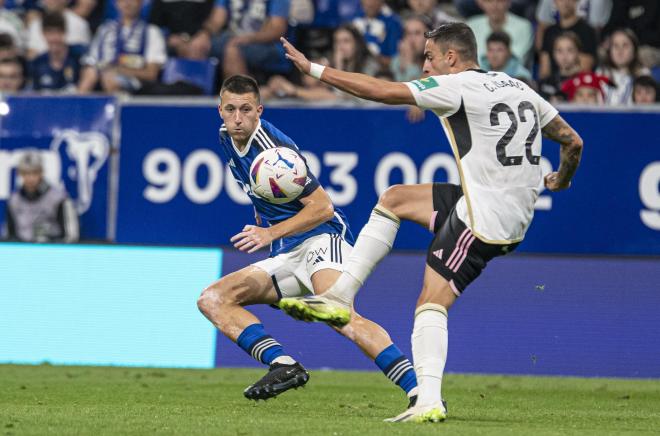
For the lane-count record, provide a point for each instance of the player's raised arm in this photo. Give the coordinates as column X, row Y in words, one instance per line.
column 359, row 85
column 571, row 151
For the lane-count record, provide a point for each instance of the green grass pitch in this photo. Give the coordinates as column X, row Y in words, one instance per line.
column 61, row 400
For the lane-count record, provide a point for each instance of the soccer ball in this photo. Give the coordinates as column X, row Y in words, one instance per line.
column 278, row 175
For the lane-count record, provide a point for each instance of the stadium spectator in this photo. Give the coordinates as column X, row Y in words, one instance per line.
column 469, row 8
column 566, row 55
column 431, row 10
column 190, row 25
column 407, row 64
column 645, row 90
column 37, row 211
column 498, row 57
column 12, row 25
column 621, row 66
column 59, row 67
column 497, row 17
column 77, row 29
column 594, row 12
column 8, row 49
column 12, row 75
column 381, row 29
column 586, row 88
column 643, row 18
column 310, row 90
column 350, row 52
column 251, row 42
column 124, row 54
column 568, row 21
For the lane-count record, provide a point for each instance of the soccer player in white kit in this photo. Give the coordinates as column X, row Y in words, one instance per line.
column 493, row 123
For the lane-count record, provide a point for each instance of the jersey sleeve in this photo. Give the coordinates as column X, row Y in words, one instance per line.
column 546, row 111
column 438, row 93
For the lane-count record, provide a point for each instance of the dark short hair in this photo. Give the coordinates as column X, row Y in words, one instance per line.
column 647, row 82
column 6, row 41
column 12, row 61
column 240, row 84
column 571, row 36
column 501, row 37
column 457, row 36
column 53, row 21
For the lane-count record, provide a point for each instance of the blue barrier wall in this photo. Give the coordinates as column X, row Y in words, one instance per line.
column 169, row 168
column 105, row 305
column 526, row 314
column 74, row 136
column 172, row 187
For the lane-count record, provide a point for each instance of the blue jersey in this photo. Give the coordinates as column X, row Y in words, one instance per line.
column 268, row 136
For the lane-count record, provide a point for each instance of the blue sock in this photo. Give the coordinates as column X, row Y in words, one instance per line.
column 259, row 345
column 397, row 368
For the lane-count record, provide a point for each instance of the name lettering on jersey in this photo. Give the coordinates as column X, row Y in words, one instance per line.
column 426, row 83
column 494, row 85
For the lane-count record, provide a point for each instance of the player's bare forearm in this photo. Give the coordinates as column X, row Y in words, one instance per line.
column 571, row 147
column 367, row 87
column 317, row 209
column 359, row 85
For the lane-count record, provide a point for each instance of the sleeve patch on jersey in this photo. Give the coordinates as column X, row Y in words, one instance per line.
column 426, row 83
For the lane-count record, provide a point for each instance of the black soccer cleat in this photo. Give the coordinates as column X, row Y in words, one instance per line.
column 280, row 378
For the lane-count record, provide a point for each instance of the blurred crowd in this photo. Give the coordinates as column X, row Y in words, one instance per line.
column 599, row 52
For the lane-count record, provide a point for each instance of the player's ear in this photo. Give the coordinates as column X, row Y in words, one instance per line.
column 260, row 109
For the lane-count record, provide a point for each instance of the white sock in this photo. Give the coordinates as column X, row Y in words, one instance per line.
column 429, row 349
column 373, row 244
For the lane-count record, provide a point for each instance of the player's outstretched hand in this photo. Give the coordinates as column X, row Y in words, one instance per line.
column 551, row 182
column 295, row 56
column 252, row 238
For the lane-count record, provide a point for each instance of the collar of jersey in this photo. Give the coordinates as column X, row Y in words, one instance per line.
column 249, row 143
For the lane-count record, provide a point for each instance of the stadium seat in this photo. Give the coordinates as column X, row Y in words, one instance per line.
column 199, row 73
column 655, row 72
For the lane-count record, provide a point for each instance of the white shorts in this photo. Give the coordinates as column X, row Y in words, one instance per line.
column 292, row 272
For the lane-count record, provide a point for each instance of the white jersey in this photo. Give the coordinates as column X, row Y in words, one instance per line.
column 493, row 123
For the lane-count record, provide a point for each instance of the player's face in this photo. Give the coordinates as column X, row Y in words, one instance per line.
column 437, row 62
column 241, row 113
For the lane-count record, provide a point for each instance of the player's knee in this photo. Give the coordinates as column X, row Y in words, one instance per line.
column 393, row 198
column 213, row 297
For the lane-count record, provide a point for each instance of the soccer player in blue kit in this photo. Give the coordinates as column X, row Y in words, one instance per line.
column 309, row 240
